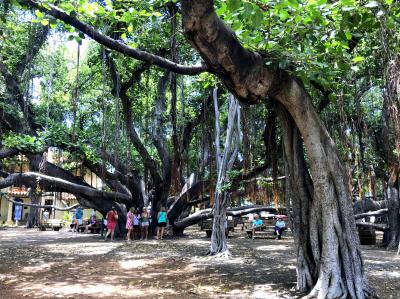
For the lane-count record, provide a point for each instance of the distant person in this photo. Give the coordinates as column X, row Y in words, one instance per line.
column 144, row 224
column 17, row 212
column 46, row 215
column 78, row 219
column 112, row 219
column 280, row 226
column 161, row 223
column 92, row 221
column 257, row 224
column 136, row 224
column 129, row 223
column 72, row 221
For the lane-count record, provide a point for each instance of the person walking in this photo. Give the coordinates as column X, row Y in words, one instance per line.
column 161, row 223
column 129, row 224
column 112, row 219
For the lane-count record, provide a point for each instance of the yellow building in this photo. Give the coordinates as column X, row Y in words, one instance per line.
column 58, row 199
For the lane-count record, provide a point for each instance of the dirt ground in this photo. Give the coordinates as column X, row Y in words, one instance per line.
column 35, row 264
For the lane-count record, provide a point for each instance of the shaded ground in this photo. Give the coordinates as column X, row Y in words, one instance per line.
column 48, row 264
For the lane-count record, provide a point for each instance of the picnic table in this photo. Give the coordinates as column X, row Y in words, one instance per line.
column 267, row 230
column 96, row 227
column 206, row 225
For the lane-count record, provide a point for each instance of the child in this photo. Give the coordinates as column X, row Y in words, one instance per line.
column 129, row 224
column 144, row 224
column 161, row 223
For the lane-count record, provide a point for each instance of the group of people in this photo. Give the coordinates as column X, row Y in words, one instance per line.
column 139, row 220
column 280, row 225
column 77, row 220
column 137, row 223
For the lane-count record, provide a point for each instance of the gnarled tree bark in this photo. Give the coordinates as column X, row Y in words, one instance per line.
column 336, row 251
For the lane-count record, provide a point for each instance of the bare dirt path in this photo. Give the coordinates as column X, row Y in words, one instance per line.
column 36, row 264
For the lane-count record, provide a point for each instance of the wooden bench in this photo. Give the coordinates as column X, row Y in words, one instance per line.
column 80, row 228
column 96, row 228
column 55, row 224
column 267, row 229
column 206, row 225
column 266, row 222
column 266, row 232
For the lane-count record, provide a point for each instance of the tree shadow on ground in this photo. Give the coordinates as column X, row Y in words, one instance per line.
column 66, row 265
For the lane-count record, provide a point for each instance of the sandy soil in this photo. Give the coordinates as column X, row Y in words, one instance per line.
column 36, row 264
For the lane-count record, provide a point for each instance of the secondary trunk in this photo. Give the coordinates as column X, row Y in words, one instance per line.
column 393, row 199
column 224, row 164
column 332, row 231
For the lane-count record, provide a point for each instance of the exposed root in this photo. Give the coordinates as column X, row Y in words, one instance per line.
column 328, row 288
column 220, row 255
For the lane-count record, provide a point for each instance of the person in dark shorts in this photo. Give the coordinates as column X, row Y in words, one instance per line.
column 280, row 226
column 136, row 224
column 144, row 224
column 161, row 223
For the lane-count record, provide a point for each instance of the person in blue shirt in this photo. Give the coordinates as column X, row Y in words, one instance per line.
column 257, row 223
column 161, row 223
column 78, row 219
column 280, row 226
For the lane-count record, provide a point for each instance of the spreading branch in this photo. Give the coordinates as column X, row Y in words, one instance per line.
column 369, row 214
column 49, row 182
column 114, row 44
column 380, row 227
column 208, row 214
column 68, row 208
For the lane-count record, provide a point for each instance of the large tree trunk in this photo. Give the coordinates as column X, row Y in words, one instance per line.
column 333, row 235
column 391, row 145
column 301, row 202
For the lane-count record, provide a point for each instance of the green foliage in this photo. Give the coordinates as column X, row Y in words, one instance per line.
column 24, row 143
column 341, row 45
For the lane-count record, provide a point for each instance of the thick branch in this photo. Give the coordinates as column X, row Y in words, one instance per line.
column 248, row 176
column 325, row 95
column 114, row 44
column 8, row 152
column 208, row 214
column 39, row 206
column 369, row 214
column 380, row 227
column 32, row 178
column 148, row 161
column 36, row 41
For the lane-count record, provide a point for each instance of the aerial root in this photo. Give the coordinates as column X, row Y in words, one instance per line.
column 221, row 255
column 328, row 288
